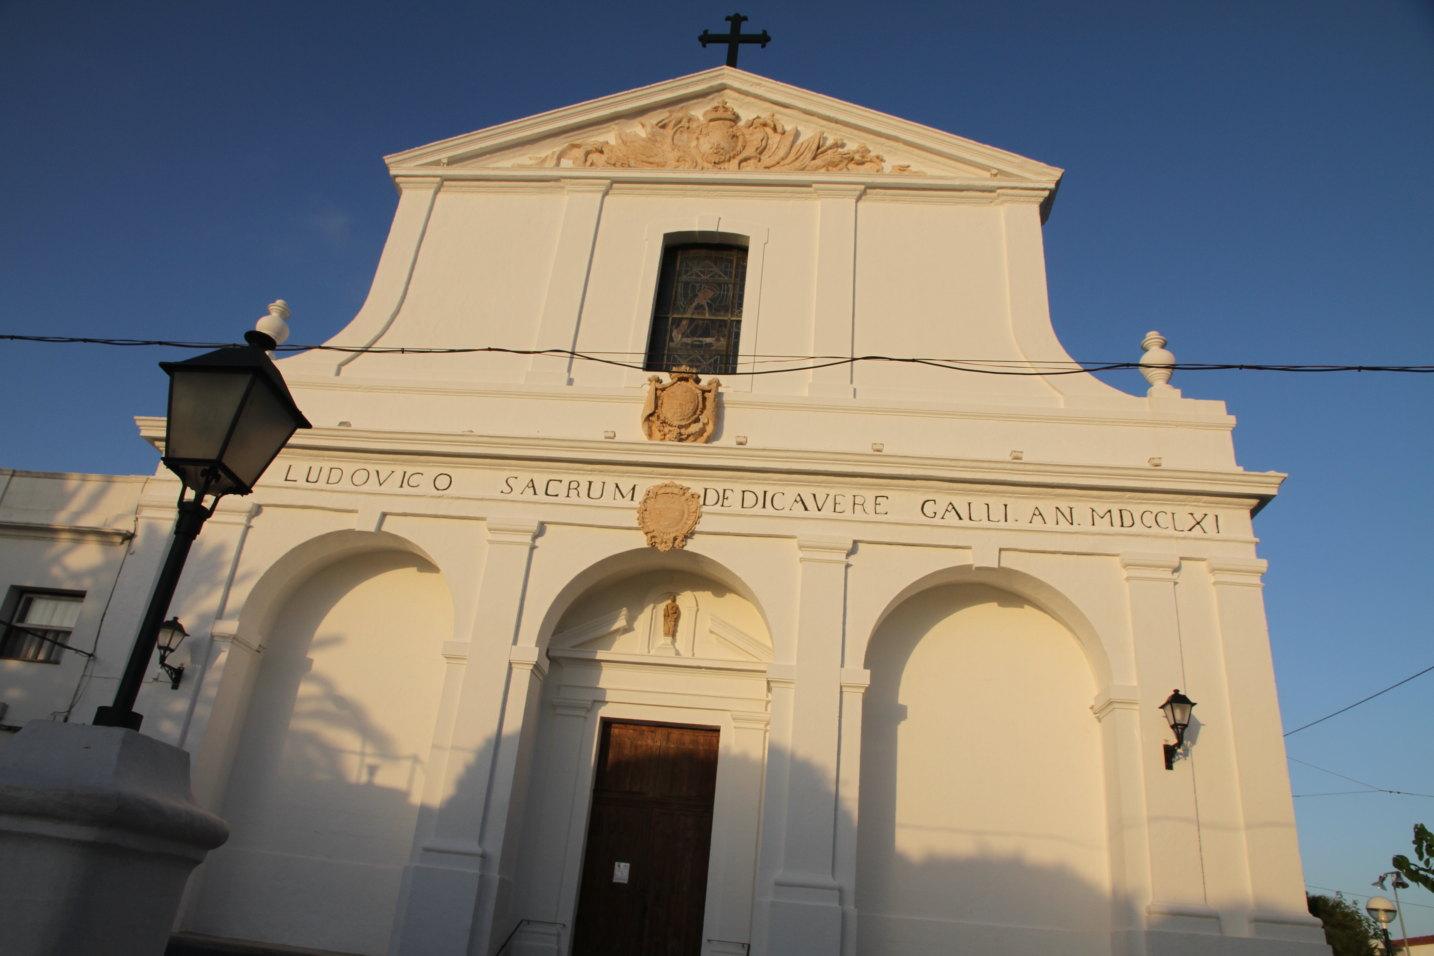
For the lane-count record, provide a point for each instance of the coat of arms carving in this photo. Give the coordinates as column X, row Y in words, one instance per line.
column 682, row 409
column 668, row 514
column 719, row 139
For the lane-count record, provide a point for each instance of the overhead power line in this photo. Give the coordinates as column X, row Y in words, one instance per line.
column 1369, row 787
column 1362, row 894
column 1358, row 702
column 809, row 362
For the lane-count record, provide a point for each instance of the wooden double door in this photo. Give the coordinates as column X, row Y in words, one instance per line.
column 644, row 882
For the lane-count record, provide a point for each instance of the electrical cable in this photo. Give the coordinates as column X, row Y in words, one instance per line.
column 1357, row 894
column 1358, row 702
column 812, row 362
column 1369, row 787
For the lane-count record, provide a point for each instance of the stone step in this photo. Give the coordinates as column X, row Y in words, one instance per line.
column 192, row 944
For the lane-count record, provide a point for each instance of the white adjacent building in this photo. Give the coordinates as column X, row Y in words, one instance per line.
column 837, row 658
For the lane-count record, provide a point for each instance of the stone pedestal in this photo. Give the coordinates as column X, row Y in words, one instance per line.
column 98, row 832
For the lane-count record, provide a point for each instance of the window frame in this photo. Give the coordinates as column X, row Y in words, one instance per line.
column 658, row 234
column 13, row 630
column 662, row 319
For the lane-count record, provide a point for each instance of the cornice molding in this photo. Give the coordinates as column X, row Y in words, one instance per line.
column 1135, row 415
column 50, row 531
column 1244, row 488
column 853, row 121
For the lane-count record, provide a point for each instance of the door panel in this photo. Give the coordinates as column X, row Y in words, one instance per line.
column 651, row 809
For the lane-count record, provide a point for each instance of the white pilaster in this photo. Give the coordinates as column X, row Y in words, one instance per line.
column 567, row 280
column 1118, row 711
column 834, row 298
column 449, row 894
column 854, row 682
column 1177, row 884
column 801, row 910
column 1272, row 847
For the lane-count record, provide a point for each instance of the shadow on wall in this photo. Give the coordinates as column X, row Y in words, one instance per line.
column 329, row 771
column 310, row 897
column 326, row 793
column 116, row 582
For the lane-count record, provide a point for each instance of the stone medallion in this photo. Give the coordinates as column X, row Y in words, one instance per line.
column 667, row 515
column 682, row 409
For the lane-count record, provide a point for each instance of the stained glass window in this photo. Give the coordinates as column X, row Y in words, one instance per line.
column 699, row 309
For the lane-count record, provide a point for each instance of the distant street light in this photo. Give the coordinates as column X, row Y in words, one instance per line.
column 229, row 416
column 1383, row 912
column 1400, row 883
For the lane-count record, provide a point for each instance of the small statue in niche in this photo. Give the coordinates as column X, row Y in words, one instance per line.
column 671, row 615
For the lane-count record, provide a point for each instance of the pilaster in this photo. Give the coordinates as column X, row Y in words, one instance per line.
column 854, row 683
column 801, row 909
column 1117, row 709
column 449, row 891
column 567, row 280
column 1177, row 900
column 834, row 298
column 1276, row 876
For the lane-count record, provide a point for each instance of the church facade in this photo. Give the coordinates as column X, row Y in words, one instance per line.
column 663, row 626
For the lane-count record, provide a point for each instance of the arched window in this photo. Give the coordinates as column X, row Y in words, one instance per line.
column 698, row 316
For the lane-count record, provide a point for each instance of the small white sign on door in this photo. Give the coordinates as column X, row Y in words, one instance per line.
column 620, row 871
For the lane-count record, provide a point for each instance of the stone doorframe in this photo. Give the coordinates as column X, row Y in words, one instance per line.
column 581, row 698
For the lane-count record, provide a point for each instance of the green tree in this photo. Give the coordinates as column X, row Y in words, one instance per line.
column 1346, row 927
column 1423, row 871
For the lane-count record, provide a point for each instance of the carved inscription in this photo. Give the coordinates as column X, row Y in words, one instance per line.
column 367, row 477
column 893, row 505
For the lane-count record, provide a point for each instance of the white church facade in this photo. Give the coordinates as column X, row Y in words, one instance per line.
column 554, row 649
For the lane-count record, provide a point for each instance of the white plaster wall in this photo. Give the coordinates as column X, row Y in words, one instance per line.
column 982, row 795
column 64, row 532
column 330, row 768
column 537, row 264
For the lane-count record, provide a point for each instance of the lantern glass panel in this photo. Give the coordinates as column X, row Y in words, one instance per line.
column 1177, row 710
column 202, row 405
column 171, row 635
column 265, row 424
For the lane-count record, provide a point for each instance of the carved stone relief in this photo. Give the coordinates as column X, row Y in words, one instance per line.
column 719, row 140
column 682, row 409
column 668, row 514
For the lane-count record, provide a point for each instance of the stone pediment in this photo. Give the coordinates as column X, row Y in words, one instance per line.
column 696, row 636
column 718, row 138
column 722, row 121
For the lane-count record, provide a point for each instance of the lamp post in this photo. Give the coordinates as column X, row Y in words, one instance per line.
column 229, row 415
column 1400, row 883
column 1383, row 912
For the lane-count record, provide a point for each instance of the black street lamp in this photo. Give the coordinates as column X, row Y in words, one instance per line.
column 229, row 415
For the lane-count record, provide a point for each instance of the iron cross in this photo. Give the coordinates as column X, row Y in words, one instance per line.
column 734, row 37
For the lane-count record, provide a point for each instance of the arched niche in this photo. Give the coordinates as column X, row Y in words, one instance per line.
column 982, row 797
column 1027, row 587
column 300, row 563
column 611, row 658
column 595, row 584
column 329, row 763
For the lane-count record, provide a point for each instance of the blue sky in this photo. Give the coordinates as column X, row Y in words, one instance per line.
column 1251, row 179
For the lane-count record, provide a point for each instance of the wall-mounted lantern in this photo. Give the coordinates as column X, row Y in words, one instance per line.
column 171, row 635
column 1177, row 714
